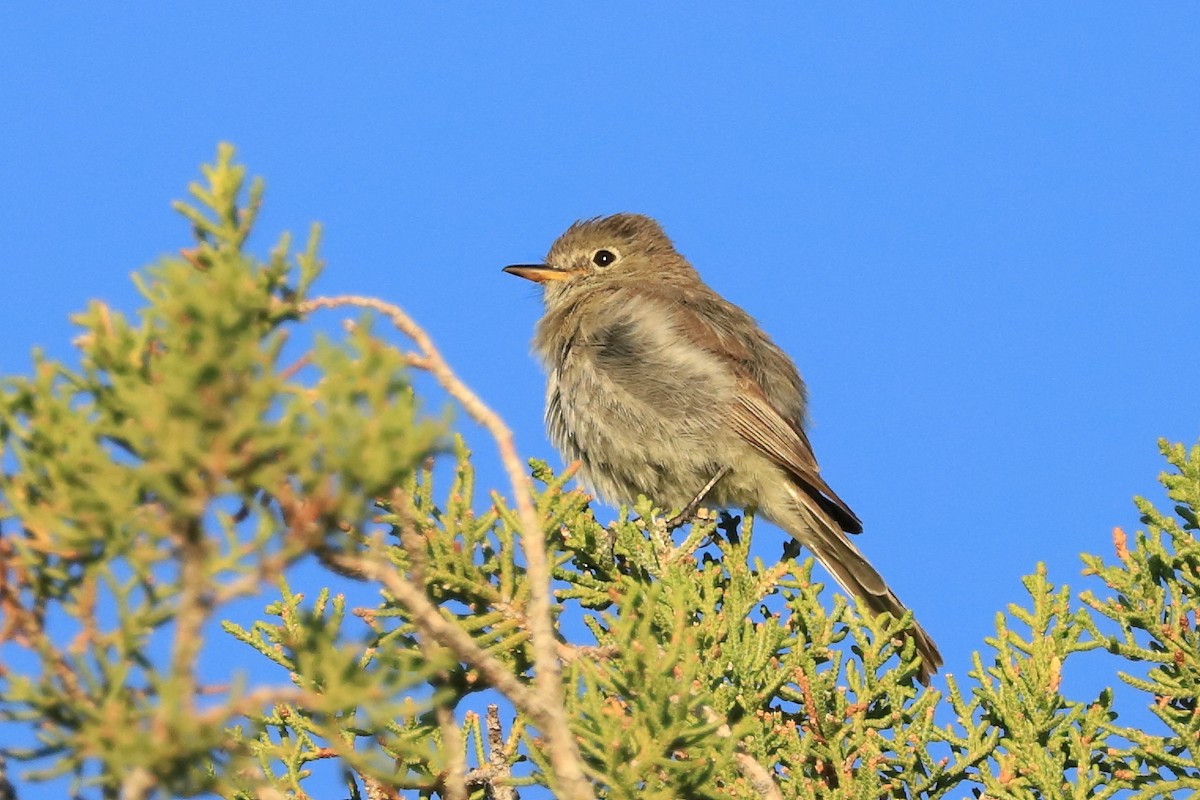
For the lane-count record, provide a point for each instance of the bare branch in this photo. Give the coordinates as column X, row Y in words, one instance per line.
column 254, row 701
column 195, row 606
column 7, row 792
column 497, row 787
column 138, row 784
column 424, row 614
column 760, row 780
column 376, row 790
column 454, row 787
column 563, row 750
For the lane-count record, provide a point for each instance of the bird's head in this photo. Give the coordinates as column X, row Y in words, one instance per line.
column 602, row 251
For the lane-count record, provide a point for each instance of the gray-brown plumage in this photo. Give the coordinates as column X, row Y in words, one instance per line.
column 656, row 384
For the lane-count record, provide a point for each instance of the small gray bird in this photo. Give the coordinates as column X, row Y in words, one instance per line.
column 659, row 386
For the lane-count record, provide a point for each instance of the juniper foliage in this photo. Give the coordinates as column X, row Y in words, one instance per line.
column 185, row 465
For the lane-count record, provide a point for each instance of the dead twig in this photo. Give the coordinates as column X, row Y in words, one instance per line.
column 760, row 780
column 552, row 720
column 454, row 786
column 497, row 787
column 429, row 621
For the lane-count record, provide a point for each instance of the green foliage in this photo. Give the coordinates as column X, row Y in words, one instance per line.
column 1153, row 600
column 198, row 452
column 177, row 468
column 703, row 660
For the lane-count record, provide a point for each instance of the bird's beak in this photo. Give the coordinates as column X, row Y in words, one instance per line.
column 538, row 273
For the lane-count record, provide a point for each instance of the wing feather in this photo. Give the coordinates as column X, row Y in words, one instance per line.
column 756, row 421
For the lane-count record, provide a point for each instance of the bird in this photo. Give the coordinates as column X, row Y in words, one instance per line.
column 658, row 386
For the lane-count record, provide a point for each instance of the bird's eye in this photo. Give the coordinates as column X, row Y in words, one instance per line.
column 603, row 258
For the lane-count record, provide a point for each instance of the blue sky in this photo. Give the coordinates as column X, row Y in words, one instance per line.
column 976, row 227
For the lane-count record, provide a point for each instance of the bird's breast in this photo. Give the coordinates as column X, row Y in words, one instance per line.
column 636, row 428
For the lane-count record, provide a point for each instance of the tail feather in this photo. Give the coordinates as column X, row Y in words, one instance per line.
column 820, row 534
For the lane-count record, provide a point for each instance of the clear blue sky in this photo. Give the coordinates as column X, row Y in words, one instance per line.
column 976, row 227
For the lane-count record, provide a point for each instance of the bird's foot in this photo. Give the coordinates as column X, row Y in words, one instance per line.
column 689, row 511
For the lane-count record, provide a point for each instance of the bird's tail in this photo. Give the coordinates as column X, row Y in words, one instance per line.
column 814, row 529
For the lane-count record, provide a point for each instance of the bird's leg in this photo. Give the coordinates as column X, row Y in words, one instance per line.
column 690, row 509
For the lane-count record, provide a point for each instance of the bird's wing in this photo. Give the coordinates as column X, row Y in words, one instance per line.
column 774, row 430
column 676, row 337
column 756, row 421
